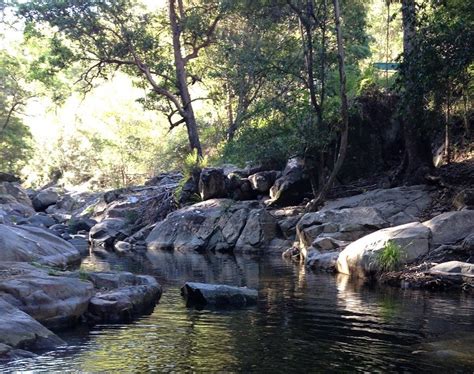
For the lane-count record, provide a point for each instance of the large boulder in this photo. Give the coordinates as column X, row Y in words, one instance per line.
column 293, row 185
column 6, row 177
column 27, row 244
column 259, row 229
column 14, row 200
column 218, row 295
column 218, row 224
column 45, row 198
column 212, row 183
column 41, row 220
column 105, row 233
column 263, row 181
column 464, row 199
column 451, row 227
column 345, row 224
column 396, row 205
column 20, row 331
column 53, row 300
column 362, row 257
column 123, row 296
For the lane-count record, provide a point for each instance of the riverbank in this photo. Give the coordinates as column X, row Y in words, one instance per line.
column 408, row 237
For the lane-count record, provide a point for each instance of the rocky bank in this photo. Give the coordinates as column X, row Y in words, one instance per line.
column 45, row 234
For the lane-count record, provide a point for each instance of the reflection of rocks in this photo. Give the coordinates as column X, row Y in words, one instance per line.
column 201, row 294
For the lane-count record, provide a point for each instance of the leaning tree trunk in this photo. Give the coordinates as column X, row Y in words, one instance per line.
column 314, row 204
column 181, row 77
column 417, row 148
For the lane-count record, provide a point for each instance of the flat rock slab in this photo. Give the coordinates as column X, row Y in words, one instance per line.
column 453, row 268
column 218, row 295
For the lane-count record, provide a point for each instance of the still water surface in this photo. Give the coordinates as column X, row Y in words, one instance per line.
column 304, row 322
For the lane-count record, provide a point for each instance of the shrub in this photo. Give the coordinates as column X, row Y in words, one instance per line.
column 389, row 258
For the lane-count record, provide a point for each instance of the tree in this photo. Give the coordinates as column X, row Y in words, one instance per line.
column 418, row 158
column 108, row 35
column 314, row 204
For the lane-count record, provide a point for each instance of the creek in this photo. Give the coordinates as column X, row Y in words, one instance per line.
column 304, row 322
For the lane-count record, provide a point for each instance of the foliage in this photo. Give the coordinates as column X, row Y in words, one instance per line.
column 390, row 257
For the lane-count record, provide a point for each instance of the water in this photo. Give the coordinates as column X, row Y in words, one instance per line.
column 304, row 322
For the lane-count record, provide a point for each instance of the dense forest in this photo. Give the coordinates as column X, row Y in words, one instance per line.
column 109, row 93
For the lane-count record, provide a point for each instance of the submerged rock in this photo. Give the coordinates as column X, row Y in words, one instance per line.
column 201, row 294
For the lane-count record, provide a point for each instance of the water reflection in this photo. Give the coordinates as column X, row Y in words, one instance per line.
column 303, row 322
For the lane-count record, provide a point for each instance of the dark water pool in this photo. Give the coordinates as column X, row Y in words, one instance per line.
column 304, row 322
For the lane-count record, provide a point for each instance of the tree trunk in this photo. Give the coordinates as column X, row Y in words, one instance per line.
column 181, row 77
column 418, row 150
column 447, row 140
column 314, row 204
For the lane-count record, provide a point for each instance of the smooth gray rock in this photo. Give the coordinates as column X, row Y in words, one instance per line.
column 135, row 295
column 453, row 268
column 45, row 198
column 81, row 244
column 26, row 244
column 451, row 227
column 351, row 223
column 360, row 257
column 41, row 220
column 14, row 200
column 217, row 295
column 54, row 300
column 19, row 330
column 395, row 205
column 107, row 231
column 326, row 261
